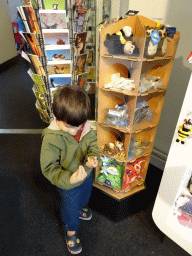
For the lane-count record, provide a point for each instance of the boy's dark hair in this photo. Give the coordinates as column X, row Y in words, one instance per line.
column 72, row 105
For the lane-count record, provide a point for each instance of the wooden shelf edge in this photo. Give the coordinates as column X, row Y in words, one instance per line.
column 121, row 57
column 129, row 93
column 115, row 127
column 120, row 194
column 128, row 130
column 151, row 92
column 158, row 58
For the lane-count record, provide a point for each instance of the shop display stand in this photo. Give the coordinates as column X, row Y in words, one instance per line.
column 137, row 66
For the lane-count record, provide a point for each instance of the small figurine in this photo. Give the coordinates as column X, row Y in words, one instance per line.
column 184, row 131
column 55, row 6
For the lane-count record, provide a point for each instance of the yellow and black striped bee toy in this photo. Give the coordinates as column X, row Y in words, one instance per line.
column 184, row 131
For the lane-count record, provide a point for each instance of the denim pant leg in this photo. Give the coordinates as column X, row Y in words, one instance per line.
column 86, row 192
column 71, row 203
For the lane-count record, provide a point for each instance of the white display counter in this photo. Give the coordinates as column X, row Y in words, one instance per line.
column 175, row 179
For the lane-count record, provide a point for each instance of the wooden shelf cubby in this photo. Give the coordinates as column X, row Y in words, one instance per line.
column 133, row 68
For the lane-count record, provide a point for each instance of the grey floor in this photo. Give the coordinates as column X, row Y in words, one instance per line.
column 29, row 219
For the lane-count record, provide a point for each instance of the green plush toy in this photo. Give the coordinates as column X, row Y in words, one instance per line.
column 111, row 172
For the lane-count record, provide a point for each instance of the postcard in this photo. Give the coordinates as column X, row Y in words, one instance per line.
column 29, row 3
column 82, row 79
column 37, row 64
column 57, row 39
column 51, row 19
column 41, row 97
column 80, row 43
column 53, row 5
column 90, row 57
column 29, row 19
column 91, row 75
column 58, row 55
column 59, row 81
column 43, row 113
column 79, row 4
column 80, row 64
column 34, row 44
column 59, row 69
column 38, row 80
column 79, row 23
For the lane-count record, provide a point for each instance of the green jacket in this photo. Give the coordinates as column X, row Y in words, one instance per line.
column 61, row 156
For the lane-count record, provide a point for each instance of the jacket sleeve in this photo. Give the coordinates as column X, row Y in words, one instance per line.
column 93, row 149
column 50, row 163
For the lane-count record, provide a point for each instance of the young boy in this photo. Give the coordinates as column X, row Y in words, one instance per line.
column 68, row 154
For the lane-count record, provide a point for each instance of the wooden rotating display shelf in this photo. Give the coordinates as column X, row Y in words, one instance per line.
column 138, row 137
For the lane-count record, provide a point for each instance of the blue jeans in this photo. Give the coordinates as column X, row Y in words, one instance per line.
column 72, row 201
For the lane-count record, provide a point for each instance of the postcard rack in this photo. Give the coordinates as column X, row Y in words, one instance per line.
column 52, row 35
column 127, row 116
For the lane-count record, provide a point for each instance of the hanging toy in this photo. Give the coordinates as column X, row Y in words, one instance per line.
column 184, row 131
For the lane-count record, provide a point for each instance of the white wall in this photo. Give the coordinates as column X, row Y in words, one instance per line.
column 7, row 41
column 12, row 5
column 178, row 14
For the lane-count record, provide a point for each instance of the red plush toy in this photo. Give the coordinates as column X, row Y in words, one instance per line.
column 132, row 173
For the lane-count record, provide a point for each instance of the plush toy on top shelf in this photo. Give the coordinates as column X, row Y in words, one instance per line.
column 156, row 41
column 122, row 42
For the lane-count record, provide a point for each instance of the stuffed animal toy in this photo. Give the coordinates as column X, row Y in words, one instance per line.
column 184, row 131
column 132, row 173
column 121, row 42
column 159, row 49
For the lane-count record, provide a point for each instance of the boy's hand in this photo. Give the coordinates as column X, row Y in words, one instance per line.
column 92, row 162
column 79, row 175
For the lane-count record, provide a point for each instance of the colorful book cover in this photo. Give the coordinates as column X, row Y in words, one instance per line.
column 59, row 69
column 59, row 39
column 80, row 64
column 53, row 19
column 80, row 43
column 41, row 98
column 53, row 5
column 32, row 40
column 30, row 19
column 59, row 81
column 43, row 113
column 58, row 55
column 37, row 64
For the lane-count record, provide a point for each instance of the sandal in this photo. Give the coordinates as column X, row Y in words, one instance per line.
column 85, row 213
column 73, row 244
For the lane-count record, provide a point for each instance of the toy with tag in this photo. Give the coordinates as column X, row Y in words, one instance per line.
column 184, row 131
column 122, row 42
column 115, row 150
column 111, row 172
column 118, row 116
column 137, row 148
column 118, row 83
column 142, row 112
column 156, row 41
column 132, row 173
column 152, row 82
